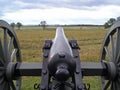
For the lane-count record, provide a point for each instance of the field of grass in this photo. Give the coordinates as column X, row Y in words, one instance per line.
column 31, row 41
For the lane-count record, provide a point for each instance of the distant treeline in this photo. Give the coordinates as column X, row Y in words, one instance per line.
column 82, row 25
column 85, row 25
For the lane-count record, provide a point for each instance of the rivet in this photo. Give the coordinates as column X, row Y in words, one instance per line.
column 79, row 88
column 42, row 87
column 61, row 55
column 44, row 72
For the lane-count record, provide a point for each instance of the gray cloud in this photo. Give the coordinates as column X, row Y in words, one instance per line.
column 75, row 4
column 9, row 5
column 84, row 10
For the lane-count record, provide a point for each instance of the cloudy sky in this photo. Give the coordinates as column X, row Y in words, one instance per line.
column 59, row 11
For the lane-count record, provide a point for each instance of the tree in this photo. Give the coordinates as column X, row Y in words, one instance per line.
column 19, row 25
column 110, row 22
column 43, row 24
column 118, row 18
column 106, row 25
column 12, row 25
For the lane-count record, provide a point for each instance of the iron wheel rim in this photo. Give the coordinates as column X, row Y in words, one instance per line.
column 113, row 56
column 10, row 52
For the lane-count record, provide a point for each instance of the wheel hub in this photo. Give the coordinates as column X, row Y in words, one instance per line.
column 112, row 70
column 10, row 70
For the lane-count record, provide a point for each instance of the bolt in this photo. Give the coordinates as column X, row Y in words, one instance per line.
column 77, row 72
column 47, row 45
column 54, row 87
column 76, row 56
column 79, row 88
column 61, row 55
column 42, row 87
column 45, row 55
column 44, row 72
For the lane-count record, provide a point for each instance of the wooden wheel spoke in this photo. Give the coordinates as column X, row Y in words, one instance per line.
column 108, row 53
column 117, row 58
column 12, row 85
column 113, row 47
column 118, row 42
column 107, row 85
column 13, row 54
column 10, row 46
column 1, row 53
column 5, row 44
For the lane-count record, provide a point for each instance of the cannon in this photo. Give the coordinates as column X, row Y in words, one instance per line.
column 61, row 68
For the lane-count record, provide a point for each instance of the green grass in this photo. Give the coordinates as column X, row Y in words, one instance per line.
column 32, row 39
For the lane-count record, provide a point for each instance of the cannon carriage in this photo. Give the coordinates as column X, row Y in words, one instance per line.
column 61, row 68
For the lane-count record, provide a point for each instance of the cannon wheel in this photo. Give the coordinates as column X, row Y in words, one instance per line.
column 111, row 56
column 9, row 53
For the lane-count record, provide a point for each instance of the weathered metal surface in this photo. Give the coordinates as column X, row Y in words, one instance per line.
column 28, row 69
column 87, row 68
column 61, row 68
column 61, row 62
column 111, row 56
column 9, row 50
column 60, row 44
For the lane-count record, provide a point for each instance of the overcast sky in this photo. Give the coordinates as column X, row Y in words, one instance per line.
column 59, row 11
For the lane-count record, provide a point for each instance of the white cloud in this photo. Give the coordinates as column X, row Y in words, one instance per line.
column 114, row 2
column 1, row 0
column 94, row 15
column 28, row 5
column 20, row 3
column 86, row 0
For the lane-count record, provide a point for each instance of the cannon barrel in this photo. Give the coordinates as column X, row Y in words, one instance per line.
column 60, row 43
column 61, row 64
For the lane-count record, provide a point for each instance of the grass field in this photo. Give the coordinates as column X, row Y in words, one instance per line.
column 31, row 41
